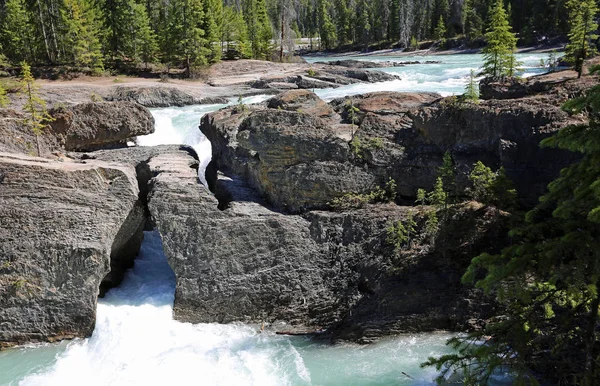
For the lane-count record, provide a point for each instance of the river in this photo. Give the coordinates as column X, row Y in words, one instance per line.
column 137, row 342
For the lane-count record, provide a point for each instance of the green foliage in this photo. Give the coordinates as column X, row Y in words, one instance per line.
column 551, row 62
column 447, row 173
column 582, row 32
column 421, row 197
column 440, row 32
column 431, row 226
column 35, row 108
column 472, row 23
column 234, row 32
column 357, row 200
column 259, row 27
column 4, row 101
column 81, row 35
column 499, row 54
column 400, row 233
column 360, row 147
column 17, row 31
column 327, row 30
column 547, row 281
column 482, row 178
column 438, row 196
column 311, row 72
column 414, row 43
column 472, row 89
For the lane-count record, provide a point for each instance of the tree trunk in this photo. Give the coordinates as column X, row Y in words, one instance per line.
column 282, row 34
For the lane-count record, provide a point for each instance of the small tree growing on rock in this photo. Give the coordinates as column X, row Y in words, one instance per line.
column 35, row 108
column 472, row 89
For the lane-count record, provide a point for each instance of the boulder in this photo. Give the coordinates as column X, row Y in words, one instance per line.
column 300, row 273
column 302, row 101
column 153, row 96
column 96, row 125
column 64, row 227
column 301, row 161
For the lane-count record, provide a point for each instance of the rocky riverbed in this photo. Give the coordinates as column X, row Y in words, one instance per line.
column 263, row 244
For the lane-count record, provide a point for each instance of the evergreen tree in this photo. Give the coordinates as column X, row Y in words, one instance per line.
column 499, row 55
column 471, row 20
column 326, row 26
column 210, row 24
column 343, row 21
column 472, row 89
column 548, row 280
column 438, row 196
column 16, row 32
column 259, row 28
column 481, row 179
column 234, row 30
column 582, row 32
column 440, row 32
column 145, row 46
column 81, row 36
column 35, row 108
column 363, row 23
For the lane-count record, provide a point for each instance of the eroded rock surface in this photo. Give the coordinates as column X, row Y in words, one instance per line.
column 60, row 225
column 301, row 156
column 90, row 126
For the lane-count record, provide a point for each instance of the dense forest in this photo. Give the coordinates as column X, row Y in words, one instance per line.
column 101, row 34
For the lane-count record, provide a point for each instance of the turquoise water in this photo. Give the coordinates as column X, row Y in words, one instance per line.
column 137, row 342
column 446, row 78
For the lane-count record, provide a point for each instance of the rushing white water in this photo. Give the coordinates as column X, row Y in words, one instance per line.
column 447, row 78
column 137, row 342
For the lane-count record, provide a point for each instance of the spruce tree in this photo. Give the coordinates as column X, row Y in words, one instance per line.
column 326, row 26
column 16, row 32
column 35, row 108
column 582, row 32
column 499, row 54
column 259, row 27
column 81, row 34
column 472, row 89
column 144, row 44
column 440, row 32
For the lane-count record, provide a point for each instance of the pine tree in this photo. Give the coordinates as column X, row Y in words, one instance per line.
column 548, row 279
column 472, row 89
column 81, row 36
column 143, row 46
column 259, row 28
column 582, row 32
column 210, row 24
column 343, row 20
column 35, row 108
column 471, row 20
column 440, row 32
column 447, row 172
column 16, row 32
column 481, row 179
column 499, row 54
column 438, row 196
column 326, row 26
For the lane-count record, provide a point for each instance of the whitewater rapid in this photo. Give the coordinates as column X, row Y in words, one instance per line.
column 137, row 342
